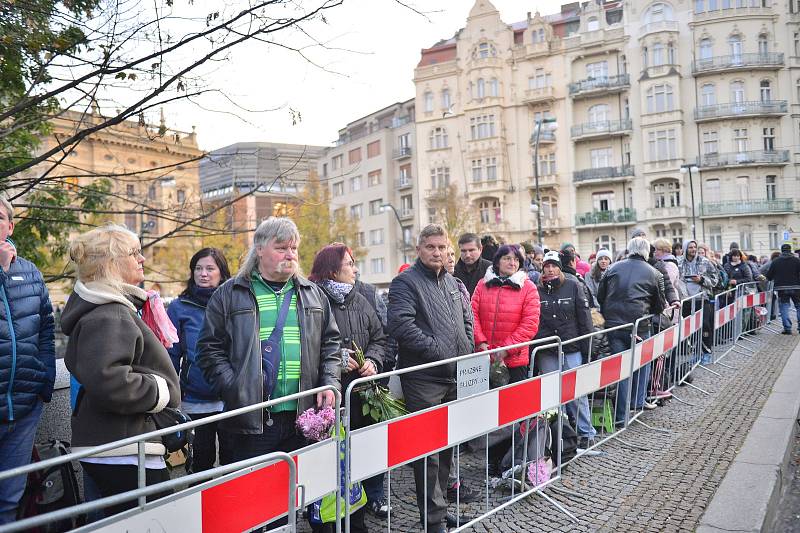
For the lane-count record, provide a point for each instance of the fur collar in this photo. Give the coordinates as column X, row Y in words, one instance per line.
column 517, row 279
column 99, row 293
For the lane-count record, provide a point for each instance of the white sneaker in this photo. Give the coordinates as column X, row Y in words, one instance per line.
column 649, row 406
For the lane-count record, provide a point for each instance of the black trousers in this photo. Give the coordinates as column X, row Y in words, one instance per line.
column 116, row 479
column 205, row 444
column 421, row 394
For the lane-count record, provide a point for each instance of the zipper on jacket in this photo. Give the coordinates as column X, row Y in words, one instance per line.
column 13, row 334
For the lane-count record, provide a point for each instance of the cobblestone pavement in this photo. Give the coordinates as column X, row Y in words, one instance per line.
column 662, row 485
column 788, row 520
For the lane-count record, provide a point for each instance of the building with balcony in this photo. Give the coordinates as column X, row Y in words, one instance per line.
column 642, row 89
column 371, row 174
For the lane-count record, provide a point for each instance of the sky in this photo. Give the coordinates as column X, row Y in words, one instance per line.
column 375, row 45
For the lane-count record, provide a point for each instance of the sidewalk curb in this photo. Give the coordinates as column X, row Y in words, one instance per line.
column 747, row 498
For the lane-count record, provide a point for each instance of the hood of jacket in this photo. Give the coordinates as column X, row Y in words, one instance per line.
column 686, row 247
column 88, row 296
column 517, row 279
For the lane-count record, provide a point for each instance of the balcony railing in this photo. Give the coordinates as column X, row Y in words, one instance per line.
column 540, row 94
column 604, row 83
column 402, row 152
column 406, row 213
column 738, row 61
column 755, row 157
column 403, row 183
column 606, row 217
column 767, row 107
column 661, row 25
column 747, row 207
column 605, row 127
column 602, row 173
column 546, row 136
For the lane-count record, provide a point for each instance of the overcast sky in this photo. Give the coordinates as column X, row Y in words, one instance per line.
column 385, row 40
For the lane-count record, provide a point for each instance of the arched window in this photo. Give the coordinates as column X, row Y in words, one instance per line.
column 489, row 210
column 598, row 113
column 658, row 12
column 708, row 94
column 494, row 87
column 763, row 45
column 438, row 138
column 549, row 207
column 666, row 193
column 659, row 98
column 735, row 47
column 765, row 91
column 481, row 92
column 706, row 49
column 592, row 24
column 737, row 92
column 671, row 53
column 606, row 241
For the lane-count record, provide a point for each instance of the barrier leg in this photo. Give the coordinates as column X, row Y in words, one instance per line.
column 141, row 473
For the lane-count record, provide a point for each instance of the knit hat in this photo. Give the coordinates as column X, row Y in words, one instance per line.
column 734, row 246
column 638, row 232
column 552, row 257
column 604, row 253
column 786, row 247
column 567, row 245
column 528, row 247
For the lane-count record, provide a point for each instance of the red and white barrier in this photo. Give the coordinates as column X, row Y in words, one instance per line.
column 725, row 315
column 691, row 324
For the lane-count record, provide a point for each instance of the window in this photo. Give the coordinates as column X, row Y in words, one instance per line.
column 715, row 238
column 376, row 236
column 662, row 145
column 378, row 265
column 130, row 222
column 428, row 101
column 763, row 45
column 489, row 210
column 626, row 153
column 540, row 79
column 712, row 190
column 405, row 175
column 375, row 206
column 481, row 127
column 743, row 189
column 603, row 201
column 356, row 211
column 772, row 188
column 593, row 24
column 735, row 48
column 710, row 142
column 360, row 239
column 597, row 70
column 705, row 49
column 408, row 236
column 477, row 170
column 658, row 12
column 768, row 135
column 373, row 149
column 666, row 194
column 338, row 188
column 494, row 87
column 765, row 91
column 438, row 138
column 129, row 190
column 708, row 94
column 737, row 92
column 336, row 162
column 549, row 207
column 601, row 157
column 491, row 168
column 774, row 242
column 440, row 177
column 406, row 203
column 355, row 184
column 354, row 156
column 547, row 164
column 677, row 234
column 180, row 196
column 605, row 242
column 446, row 99
column 671, row 54
column 404, row 141
column 659, row 98
column 598, row 113
column 740, row 143
column 658, row 54
column 374, row 178
column 746, row 237
column 481, row 88
column 485, row 50
column 537, row 36
column 151, row 192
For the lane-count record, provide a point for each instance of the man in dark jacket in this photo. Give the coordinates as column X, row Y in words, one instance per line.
column 785, row 272
column 235, row 341
column 629, row 290
column 568, row 266
column 672, row 296
column 430, row 324
column 471, row 267
column 27, row 361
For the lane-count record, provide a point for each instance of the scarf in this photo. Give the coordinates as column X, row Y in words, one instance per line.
column 154, row 314
column 337, row 290
column 201, row 295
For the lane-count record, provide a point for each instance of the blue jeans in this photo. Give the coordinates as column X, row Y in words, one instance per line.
column 619, row 341
column 786, row 298
column 579, row 408
column 16, row 445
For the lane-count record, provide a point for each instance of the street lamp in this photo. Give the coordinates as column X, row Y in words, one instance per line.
column 384, row 207
column 691, row 168
column 534, row 142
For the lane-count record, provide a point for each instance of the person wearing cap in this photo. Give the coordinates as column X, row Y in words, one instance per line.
column 629, row 290
column 592, row 278
column 565, row 313
column 27, row 361
column 568, row 266
column 784, row 271
column 581, row 267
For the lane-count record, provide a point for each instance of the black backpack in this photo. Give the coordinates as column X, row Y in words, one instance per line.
column 569, row 439
column 51, row 489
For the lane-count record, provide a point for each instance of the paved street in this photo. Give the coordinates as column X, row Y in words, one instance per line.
column 665, row 488
column 788, row 520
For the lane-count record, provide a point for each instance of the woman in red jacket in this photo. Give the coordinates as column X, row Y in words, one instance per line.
column 506, row 309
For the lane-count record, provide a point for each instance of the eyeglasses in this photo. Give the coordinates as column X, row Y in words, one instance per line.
column 136, row 252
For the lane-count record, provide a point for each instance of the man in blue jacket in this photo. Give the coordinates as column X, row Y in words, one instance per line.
column 27, row 360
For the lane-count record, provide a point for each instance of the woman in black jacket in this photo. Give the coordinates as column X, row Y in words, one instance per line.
column 335, row 272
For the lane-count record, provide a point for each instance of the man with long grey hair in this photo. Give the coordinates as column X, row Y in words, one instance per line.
column 269, row 333
column 629, row 290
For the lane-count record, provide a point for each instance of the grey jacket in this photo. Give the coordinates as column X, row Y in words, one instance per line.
column 229, row 350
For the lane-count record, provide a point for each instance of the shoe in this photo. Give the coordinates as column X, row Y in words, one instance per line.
column 584, row 443
column 649, row 406
column 379, row 507
column 450, row 519
column 786, row 332
column 465, row 493
column 688, row 379
column 662, row 395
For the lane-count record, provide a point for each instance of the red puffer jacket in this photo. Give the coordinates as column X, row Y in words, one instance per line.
column 506, row 312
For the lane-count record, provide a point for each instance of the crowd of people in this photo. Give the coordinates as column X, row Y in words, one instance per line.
column 232, row 340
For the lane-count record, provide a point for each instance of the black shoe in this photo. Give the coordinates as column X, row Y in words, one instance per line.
column 466, row 494
column 450, row 519
column 786, row 332
column 380, row 508
column 584, row 443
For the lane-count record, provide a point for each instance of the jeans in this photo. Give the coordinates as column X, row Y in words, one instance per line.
column 785, row 299
column 620, row 340
column 579, row 408
column 16, row 445
column 112, row 479
column 205, row 444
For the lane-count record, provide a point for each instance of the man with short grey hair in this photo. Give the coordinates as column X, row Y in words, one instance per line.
column 427, row 319
column 269, row 333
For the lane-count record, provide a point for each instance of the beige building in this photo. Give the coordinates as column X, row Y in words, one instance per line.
column 372, row 177
column 638, row 90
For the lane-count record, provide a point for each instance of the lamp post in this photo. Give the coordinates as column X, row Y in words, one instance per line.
column 684, row 169
column 534, row 142
column 384, row 207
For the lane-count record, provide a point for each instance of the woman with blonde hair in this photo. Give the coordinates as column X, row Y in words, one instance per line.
column 121, row 369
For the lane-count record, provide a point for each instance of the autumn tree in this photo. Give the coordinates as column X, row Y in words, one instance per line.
column 452, row 212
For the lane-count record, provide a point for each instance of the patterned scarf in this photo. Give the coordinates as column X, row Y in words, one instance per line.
column 337, row 290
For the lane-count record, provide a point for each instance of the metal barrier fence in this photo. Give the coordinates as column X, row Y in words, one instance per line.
column 739, row 313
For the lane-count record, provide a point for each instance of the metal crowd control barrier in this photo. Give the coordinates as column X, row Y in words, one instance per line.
column 725, row 324
column 688, row 354
column 314, row 470
column 737, row 316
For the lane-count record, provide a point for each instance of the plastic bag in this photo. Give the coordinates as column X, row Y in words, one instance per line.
column 155, row 316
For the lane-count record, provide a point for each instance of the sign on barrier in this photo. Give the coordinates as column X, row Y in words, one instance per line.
column 473, row 376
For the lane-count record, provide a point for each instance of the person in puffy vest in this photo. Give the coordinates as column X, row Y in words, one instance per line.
column 27, row 360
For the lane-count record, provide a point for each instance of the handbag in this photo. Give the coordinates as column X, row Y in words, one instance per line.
column 271, row 347
column 169, row 417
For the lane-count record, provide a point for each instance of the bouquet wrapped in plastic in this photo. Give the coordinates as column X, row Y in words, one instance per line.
column 376, row 400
